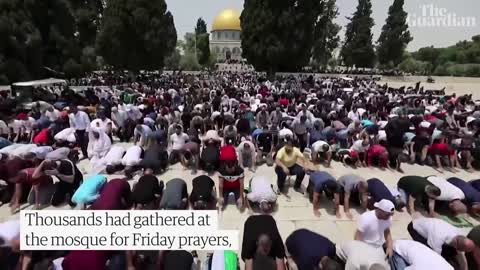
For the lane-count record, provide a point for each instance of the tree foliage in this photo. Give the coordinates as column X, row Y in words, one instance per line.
column 203, row 42
column 203, row 48
column 394, row 37
column 278, row 35
column 461, row 59
column 358, row 48
column 201, row 27
column 136, row 35
column 326, row 35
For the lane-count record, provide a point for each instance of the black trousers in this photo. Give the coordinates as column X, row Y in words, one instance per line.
column 449, row 253
column 82, row 141
column 63, row 189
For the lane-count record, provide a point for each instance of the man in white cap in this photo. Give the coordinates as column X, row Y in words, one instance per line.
column 374, row 226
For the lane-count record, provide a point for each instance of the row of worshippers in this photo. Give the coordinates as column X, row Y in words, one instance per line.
column 362, row 128
column 435, row 243
column 37, row 164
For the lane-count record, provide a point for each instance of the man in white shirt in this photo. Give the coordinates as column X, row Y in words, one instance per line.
column 80, row 121
column 285, row 132
column 374, row 226
column 247, row 155
column 132, row 159
column 176, row 142
column 419, row 256
column 443, row 238
column 52, row 114
column 261, row 194
column 360, row 255
column 103, row 123
column 321, row 149
column 449, row 195
column 4, row 130
column 113, row 159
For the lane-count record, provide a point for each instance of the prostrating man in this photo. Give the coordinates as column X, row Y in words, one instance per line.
column 377, row 153
column 175, row 195
column 203, row 196
column 419, row 256
column 450, row 196
column 86, row 259
column 70, row 179
column 443, row 238
column 175, row 260
column 88, row 191
column 155, row 157
column 141, row 134
column 323, row 182
column 374, row 227
column 10, row 256
column 247, row 155
column 413, row 188
column 310, row 251
column 190, row 157
column 113, row 159
column 115, row 195
column 287, row 161
column 147, row 192
column 131, row 160
column 321, row 150
column 378, row 191
column 360, row 255
column 231, row 178
column 261, row 194
column 261, row 230
column 472, row 196
column 473, row 258
column 353, row 189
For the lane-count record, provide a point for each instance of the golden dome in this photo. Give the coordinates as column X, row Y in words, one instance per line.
column 228, row 19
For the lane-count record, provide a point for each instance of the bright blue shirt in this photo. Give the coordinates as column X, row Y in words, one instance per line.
column 89, row 190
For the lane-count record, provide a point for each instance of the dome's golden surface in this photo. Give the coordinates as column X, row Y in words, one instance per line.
column 228, row 19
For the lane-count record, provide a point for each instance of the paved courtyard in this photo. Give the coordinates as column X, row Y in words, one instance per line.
column 295, row 212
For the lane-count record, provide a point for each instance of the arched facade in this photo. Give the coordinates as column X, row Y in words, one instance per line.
column 225, row 36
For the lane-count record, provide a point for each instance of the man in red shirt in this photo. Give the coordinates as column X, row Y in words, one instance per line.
column 379, row 153
column 230, row 177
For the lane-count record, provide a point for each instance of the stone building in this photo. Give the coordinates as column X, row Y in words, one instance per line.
column 225, row 40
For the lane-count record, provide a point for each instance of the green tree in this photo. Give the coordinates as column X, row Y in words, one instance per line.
column 326, row 35
column 201, row 27
column 203, row 48
column 395, row 35
column 172, row 61
column 358, row 48
column 56, row 24
column 20, row 43
column 136, row 35
column 189, row 62
column 203, row 42
column 278, row 35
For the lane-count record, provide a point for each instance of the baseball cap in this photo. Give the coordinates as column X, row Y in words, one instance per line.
column 385, row 206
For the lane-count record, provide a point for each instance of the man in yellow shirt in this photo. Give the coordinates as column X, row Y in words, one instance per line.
column 290, row 161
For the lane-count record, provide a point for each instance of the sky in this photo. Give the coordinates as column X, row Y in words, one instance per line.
column 439, row 23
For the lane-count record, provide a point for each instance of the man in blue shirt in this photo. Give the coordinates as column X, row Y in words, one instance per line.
column 472, row 196
column 311, row 251
column 377, row 191
column 323, row 182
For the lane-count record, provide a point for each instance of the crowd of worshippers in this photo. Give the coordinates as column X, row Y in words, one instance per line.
column 435, row 243
column 356, row 122
column 229, row 124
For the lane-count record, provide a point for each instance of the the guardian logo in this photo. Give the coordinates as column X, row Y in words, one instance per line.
column 433, row 16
